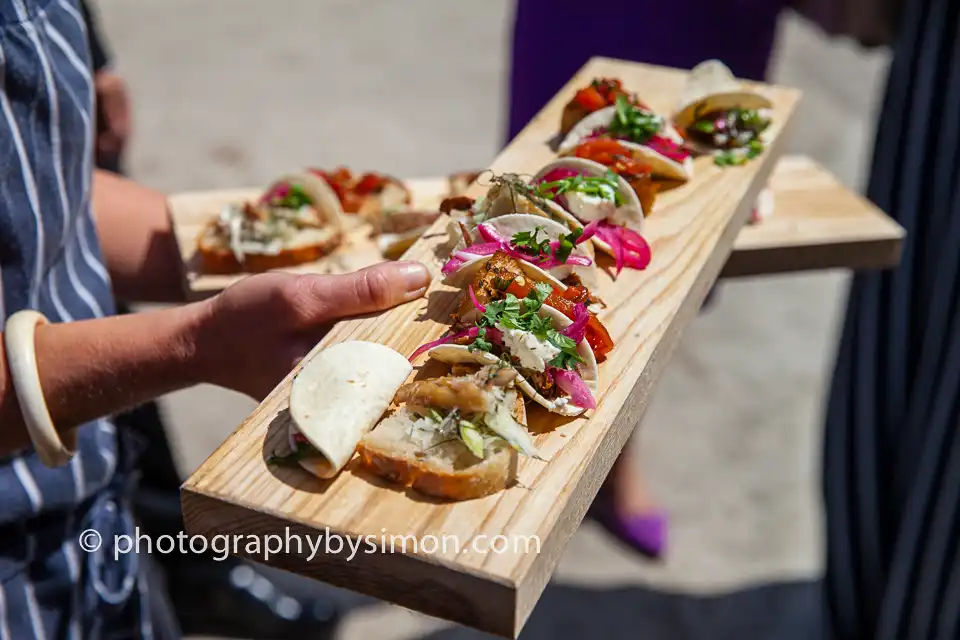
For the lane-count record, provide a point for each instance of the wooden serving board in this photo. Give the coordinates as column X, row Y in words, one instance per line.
column 235, row 493
column 817, row 223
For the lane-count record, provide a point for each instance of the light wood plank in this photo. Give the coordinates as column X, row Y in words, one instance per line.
column 817, row 223
column 235, row 492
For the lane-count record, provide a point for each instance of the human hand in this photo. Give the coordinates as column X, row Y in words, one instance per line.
column 113, row 113
column 250, row 336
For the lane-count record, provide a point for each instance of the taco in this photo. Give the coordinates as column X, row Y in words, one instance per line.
column 454, row 437
column 602, row 92
column 335, row 399
column 297, row 220
column 628, row 163
column 505, row 295
column 510, row 194
column 716, row 114
column 400, row 229
column 638, row 128
column 368, row 194
column 590, row 194
column 549, row 247
column 555, row 364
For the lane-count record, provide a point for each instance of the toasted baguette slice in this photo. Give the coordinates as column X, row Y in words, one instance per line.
column 443, row 469
column 309, row 245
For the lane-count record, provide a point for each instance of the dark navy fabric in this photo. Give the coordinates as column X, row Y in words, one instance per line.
column 50, row 261
column 892, row 448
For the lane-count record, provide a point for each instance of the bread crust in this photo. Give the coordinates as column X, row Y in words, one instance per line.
column 488, row 477
column 494, row 473
column 218, row 259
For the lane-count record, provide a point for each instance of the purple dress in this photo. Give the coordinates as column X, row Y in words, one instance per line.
column 552, row 39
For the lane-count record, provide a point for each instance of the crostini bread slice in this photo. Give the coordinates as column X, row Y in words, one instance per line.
column 309, row 245
column 445, row 469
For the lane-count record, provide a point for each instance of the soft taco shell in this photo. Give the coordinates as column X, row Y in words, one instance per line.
column 661, row 165
column 597, row 169
column 711, row 87
column 588, row 369
column 502, row 200
column 465, row 274
column 339, row 395
column 514, row 223
column 324, row 199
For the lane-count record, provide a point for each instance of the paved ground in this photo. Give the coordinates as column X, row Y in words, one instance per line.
column 234, row 93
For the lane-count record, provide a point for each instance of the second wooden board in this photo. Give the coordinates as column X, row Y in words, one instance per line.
column 817, row 223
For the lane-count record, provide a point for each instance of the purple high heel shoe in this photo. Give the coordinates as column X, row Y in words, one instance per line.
column 645, row 533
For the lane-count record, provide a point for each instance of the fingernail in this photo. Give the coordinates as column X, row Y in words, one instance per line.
column 416, row 278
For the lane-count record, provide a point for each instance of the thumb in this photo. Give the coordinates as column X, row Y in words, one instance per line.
column 372, row 289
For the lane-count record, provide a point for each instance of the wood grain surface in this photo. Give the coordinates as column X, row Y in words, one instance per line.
column 234, row 492
column 817, row 223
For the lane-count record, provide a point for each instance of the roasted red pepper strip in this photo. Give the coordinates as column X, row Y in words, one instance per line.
column 565, row 302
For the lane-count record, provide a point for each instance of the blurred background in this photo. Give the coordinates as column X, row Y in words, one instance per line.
column 234, row 93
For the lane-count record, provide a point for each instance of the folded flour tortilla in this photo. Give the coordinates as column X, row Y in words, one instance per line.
column 339, row 395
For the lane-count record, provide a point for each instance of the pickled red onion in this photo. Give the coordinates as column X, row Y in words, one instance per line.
column 578, row 329
column 476, row 303
column 629, row 247
column 573, row 385
column 496, row 242
column 466, row 333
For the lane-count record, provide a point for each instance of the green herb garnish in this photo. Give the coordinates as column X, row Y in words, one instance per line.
column 294, row 198
column 481, row 343
column 527, row 242
column 754, row 149
column 568, row 356
column 540, row 326
column 605, row 187
column 634, row 124
column 514, row 313
column 537, row 296
column 471, row 437
column 706, row 126
column 293, row 458
column 567, row 244
column 738, row 157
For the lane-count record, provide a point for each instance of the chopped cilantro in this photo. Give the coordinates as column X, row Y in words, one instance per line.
column 527, row 241
column 537, row 296
column 706, row 126
column 729, row 158
column 606, row 187
column 506, row 312
column 481, row 343
column 514, row 313
column 540, row 326
column 293, row 458
column 633, row 123
column 565, row 360
column 294, row 198
column 567, row 244
column 754, row 149
column 568, row 356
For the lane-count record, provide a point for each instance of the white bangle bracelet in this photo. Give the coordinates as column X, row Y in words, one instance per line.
column 18, row 335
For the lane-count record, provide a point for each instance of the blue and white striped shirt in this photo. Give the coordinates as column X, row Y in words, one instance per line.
column 50, row 261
